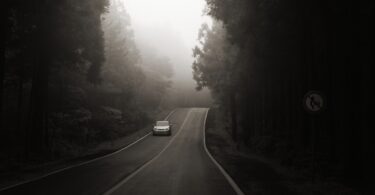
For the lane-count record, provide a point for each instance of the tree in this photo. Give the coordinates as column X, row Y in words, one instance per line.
column 214, row 67
column 43, row 37
column 122, row 66
column 285, row 49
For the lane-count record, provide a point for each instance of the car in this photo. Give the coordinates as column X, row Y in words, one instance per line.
column 162, row 128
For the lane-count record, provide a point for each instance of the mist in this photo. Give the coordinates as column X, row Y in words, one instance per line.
column 170, row 29
column 187, row 97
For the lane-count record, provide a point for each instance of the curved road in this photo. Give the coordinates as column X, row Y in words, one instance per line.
column 176, row 164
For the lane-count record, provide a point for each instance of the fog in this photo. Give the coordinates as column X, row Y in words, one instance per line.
column 281, row 91
column 170, row 28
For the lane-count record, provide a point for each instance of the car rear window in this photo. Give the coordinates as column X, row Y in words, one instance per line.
column 162, row 123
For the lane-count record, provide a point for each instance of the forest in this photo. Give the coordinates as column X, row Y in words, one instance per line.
column 72, row 77
column 259, row 59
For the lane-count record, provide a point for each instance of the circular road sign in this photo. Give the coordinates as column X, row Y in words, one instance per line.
column 314, row 102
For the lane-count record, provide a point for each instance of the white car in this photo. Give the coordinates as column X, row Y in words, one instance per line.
column 162, row 128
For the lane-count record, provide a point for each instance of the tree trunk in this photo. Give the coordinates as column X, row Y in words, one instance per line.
column 1, row 85
column 39, row 91
column 38, row 106
column 233, row 113
column 20, row 104
column 2, row 64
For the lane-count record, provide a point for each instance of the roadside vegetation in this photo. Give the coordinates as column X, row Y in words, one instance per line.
column 258, row 172
column 73, row 78
column 260, row 58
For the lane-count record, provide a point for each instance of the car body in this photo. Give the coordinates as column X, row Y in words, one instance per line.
column 162, row 128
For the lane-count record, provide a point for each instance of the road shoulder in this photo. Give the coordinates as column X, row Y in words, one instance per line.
column 10, row 178
column 252, row 174
column 255, row 174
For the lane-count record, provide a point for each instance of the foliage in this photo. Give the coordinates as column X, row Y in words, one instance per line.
column 281, row 50
column 215, row 60
column 74, row 77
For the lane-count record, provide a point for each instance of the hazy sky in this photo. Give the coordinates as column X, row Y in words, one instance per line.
column 170, row 27
column 184, row 17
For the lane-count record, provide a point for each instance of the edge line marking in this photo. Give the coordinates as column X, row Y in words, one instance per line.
column 126, row 179
column 82, row 163
column 222, row 170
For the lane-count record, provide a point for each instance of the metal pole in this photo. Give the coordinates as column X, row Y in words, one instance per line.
column 313, row 145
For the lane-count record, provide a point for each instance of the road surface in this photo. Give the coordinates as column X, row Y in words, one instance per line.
column 176, row 164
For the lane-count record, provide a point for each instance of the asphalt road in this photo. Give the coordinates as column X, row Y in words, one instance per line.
column 176, row 164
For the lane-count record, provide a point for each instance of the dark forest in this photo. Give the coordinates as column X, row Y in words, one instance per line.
column 72, row 77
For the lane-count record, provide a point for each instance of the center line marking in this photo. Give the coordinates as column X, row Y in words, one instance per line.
column 114, row 188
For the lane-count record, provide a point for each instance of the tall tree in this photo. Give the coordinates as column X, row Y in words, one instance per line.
column 45, row 36
column 214, row 67
column 122, row 66
column 287, row 48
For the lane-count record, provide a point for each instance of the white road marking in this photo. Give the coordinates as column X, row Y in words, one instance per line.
column 83, row 163
column 226, row 175
column 117, row 186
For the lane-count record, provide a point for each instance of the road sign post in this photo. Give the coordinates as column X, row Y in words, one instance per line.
column 314, row 103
